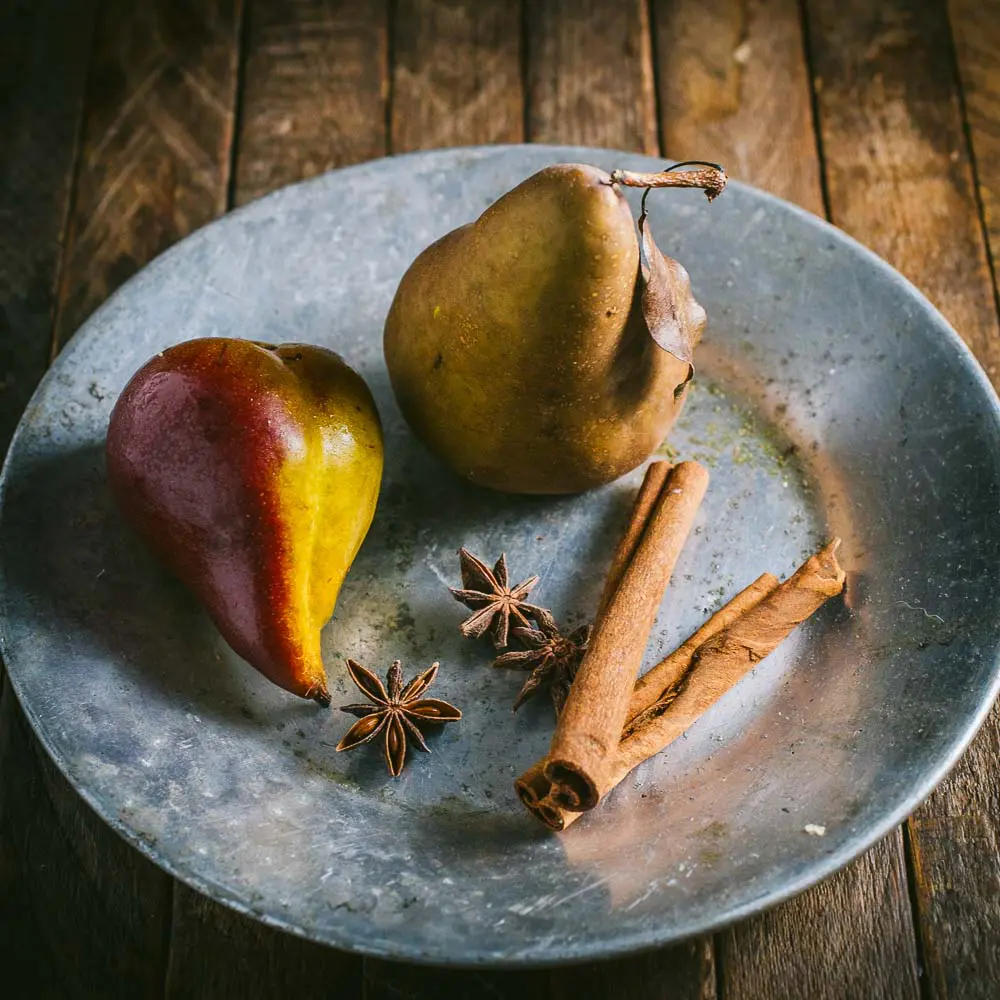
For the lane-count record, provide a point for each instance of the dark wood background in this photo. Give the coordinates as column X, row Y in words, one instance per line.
column 124, row 125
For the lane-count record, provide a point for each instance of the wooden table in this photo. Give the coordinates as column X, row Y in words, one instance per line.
column 125, row 125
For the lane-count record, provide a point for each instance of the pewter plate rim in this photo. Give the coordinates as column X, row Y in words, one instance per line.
column 593, row 948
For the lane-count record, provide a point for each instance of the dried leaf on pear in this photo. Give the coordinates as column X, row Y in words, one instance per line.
column 673, row 317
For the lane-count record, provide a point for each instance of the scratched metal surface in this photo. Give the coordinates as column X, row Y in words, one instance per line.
column 832, row 400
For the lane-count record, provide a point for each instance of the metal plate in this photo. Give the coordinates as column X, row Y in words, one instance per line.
column 832, row 399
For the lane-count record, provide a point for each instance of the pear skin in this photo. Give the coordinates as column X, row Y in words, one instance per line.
column 517, row 347
column 253, row 472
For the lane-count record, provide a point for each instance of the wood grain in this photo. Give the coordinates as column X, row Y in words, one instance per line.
column 734, row 88
column 590, row 74
column 897, row 165
column 456, row 73
column 900, row 179
column 101, row 909
column 681, row 972
column 218, row 954
column 315, row 84
column 590, row 81
column 24, row 954
column 396, row 981
column 849, row 937
column 157, row 135
column 315, row 87
column 955, row 842
column 44, row 50
column 976, row 28
column 8, row 867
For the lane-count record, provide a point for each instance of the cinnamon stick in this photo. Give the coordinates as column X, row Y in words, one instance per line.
column 656, row 685
column 532, row 787
column 642, row 507
column 586, row 738
column 717, row 666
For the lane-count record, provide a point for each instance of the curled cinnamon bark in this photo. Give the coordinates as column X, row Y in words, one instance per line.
column 718, row 663
column 660, row 684
column 590, row 725
column 727, row 657
column 532, row 787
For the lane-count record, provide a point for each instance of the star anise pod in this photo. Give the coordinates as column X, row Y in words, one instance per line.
column 394, row 712
column 552, row 658
column 493, row 602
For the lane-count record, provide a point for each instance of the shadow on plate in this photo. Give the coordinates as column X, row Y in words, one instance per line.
column 93, row 587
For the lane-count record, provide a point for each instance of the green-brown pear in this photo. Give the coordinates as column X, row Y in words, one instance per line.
column 547, row 346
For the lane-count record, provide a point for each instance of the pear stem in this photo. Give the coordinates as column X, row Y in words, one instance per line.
column 710, row 177
column 321, row 696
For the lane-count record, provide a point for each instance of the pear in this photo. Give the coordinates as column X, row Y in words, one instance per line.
column 252, row 471
column 547, row 346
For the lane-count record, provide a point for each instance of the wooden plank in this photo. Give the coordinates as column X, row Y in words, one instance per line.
column 897, row 164
column 44, row 47
column 456, row 73
column 44, row 51
column 156, row 147
column 590, row 74
column 680, row 972
column 8, row 868
column 683, row 972
column 24, row 955
column 734, row 88
column 313, row 98
column 155, row 161
column 316, row 81
column 955, row 844
column 101, row 910
column 395, row 981
column 976, row 28
column 850, row 936
column 590, row 82
column 218, row 954
column 899, row 178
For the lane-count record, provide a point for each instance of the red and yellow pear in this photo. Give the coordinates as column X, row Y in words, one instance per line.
column 253, row 472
